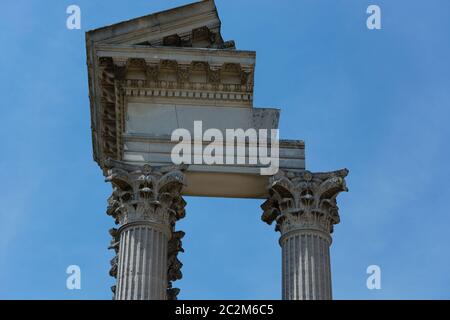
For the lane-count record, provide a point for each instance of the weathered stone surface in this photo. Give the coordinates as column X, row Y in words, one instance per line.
column 146, row 203
column 304, row 209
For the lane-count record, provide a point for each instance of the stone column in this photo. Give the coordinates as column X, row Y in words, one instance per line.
column 145, row 203
column 303, row 206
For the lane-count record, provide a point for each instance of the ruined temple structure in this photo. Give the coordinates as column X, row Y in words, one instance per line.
column 151, row 75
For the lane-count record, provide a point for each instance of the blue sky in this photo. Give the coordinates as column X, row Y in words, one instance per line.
column 376, row 102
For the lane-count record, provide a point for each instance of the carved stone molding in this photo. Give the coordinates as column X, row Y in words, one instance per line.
column 202, row 37
column 116, row 86
column 304, row 200
column 115, row 69
column 112, row 105
column 184, row 89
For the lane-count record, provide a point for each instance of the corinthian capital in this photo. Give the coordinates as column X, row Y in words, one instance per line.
column 304, row 200
column 145, row 193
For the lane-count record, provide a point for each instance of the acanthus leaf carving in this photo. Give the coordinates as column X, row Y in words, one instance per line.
column 174, row 264
column 183, row 73
column 152, row 72
column 304, row 200
column 214, row 76
column 145, row 193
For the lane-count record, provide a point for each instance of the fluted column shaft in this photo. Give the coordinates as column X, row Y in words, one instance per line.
column 303, row 205
column 142, row 265
column 305, row 266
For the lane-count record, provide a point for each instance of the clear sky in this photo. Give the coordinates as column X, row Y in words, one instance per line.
column 376, row 102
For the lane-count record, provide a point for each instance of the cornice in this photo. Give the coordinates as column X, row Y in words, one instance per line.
column 180, row 54
column 174, row 20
